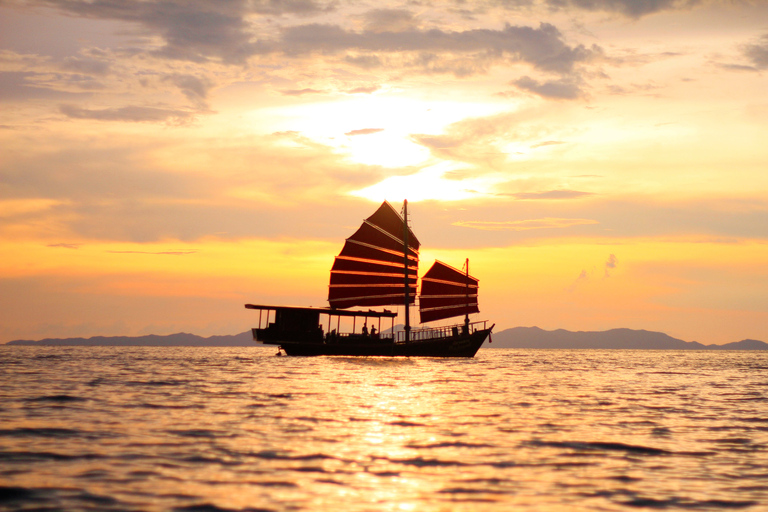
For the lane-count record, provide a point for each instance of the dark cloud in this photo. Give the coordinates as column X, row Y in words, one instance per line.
column 458, row 65
column 542, row 47
column 758, row 53
column 298, row 7
column 610, row 264
column 193, row 30
column 20, row 86
column 562, row 89
column 133, row 114
column 204, row 31
column 194, row 88
column 629, row 8
column 389, row 20
column 755, row 53
column 364, row 131
column 86, row 65
column 364, row 61
column 737, row 67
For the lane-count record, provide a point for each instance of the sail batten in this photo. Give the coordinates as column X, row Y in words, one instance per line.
column 447, row 292
column 370, row 269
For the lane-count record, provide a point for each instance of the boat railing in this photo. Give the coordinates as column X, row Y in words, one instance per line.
column 431, row 333
column 341, row 336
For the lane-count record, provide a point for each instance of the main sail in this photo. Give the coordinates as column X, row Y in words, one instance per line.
column 370, row 269
column 447, row 292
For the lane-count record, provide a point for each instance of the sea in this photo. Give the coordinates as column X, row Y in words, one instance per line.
column 240, row 429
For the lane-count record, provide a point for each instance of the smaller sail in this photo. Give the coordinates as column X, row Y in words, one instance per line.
column 447, row 292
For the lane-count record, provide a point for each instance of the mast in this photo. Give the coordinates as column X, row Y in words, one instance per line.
column 405, row 270
column 466, row 288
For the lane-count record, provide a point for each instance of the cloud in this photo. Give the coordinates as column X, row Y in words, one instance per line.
column 485, row 141
column 364, row 131
column 196, row 30
column 25, row 207
column 101, row 187
column 583, row 277
column 298, row 7
column 232, row 32
column 389, row 20
column 20, row 86
column 133, row 114
column 628, row 8
column 65, row 245
column 737, row 67
column 301, row 92
column 86, row 65
column 364, row 61
column 542, row 47
column 547, row 143
column 551, row 194
column 718, row 220
column 524, row 225
column 562, row 89
column 364, row 90
column 758, row 53
column 166, row 253
column 194, row 88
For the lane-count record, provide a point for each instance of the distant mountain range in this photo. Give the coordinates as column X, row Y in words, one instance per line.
column 181, row 339
column 517, row 337
column 533, row 337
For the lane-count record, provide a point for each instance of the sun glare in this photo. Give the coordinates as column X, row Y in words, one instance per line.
column 384, row 148
column 429, row 183
column 374, row 129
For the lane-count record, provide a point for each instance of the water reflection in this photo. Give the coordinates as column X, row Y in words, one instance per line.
column 162, row 429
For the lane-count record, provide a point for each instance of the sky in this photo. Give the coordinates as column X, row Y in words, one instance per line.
column 602, row 163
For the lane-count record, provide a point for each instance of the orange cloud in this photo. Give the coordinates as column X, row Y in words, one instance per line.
column 524, row 225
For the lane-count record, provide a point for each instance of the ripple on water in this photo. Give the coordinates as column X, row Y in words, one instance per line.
column 238, row 429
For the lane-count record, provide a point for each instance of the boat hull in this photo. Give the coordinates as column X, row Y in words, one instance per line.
column 452, row 346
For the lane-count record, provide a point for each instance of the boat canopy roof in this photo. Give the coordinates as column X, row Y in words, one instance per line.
column 328, row 311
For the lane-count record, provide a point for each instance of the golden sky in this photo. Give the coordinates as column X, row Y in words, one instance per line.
column 603, row 163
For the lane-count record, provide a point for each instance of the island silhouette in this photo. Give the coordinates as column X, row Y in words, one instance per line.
column 516, row 337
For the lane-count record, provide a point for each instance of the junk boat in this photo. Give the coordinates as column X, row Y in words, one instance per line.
column 378, row 266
